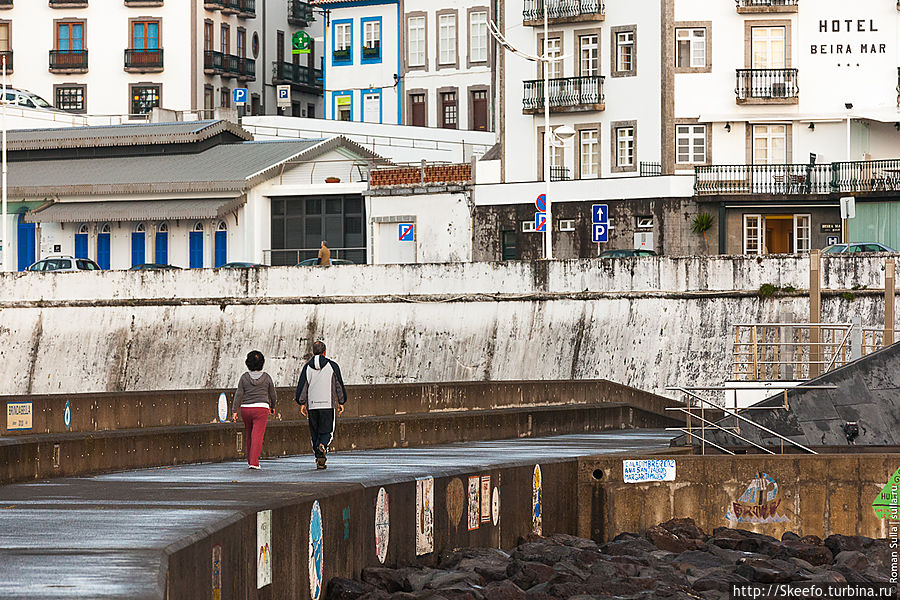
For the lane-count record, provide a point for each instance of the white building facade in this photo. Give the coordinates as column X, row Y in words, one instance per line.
column 124, row 58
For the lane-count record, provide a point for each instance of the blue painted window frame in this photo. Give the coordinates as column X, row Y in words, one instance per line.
column 221, row 250
column 138, row 248
column 162, row 248
column 103, row 250
column 334, row 97
column 26, row 243
column 81, row 245
column 195, row 249
column 349, row 59
column 362, row 38
column 362, row 103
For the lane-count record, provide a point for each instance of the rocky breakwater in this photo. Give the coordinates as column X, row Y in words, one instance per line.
column 675, row 559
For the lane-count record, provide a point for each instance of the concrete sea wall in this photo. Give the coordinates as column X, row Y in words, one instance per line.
column 646, row 323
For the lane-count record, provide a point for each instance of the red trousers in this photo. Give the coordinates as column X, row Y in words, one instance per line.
column 254, row 429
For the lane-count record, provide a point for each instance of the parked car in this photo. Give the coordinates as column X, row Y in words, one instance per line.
column 621, row 253
column 27, row 99
column 312, row 262
column 857, row 247
column 153, row 267
column 241, row 265
column 64, row 263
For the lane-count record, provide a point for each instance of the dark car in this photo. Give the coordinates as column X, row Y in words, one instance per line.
column 312, row 262
column 154, row 267
column 621, row 253
column 241, row 265
column 856, row 247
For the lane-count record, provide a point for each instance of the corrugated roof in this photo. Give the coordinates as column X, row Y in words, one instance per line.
column 226, row 167
column 132, row 210
column 181, row 132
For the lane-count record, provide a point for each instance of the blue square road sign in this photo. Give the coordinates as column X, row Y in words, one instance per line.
column 600, row 213
column 406, row 232
column 599, row 233
column 540, row 222
column 239, row 96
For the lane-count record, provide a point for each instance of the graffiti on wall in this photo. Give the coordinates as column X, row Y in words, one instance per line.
column 485, row 498
column 887, row 502
column 759, row 503
column 424, row 516
column 263, row 548
column 382, row 525
column 455, row 500
column 474, row 507
column 537, row 518
column 316, row 551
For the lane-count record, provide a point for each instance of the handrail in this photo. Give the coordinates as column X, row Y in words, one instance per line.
column 688, row 433
column 687, row 411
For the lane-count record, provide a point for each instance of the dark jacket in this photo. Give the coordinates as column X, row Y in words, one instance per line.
column 321, row 384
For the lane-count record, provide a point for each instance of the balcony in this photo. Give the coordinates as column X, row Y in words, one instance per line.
column 865, row 176
column 141, row 3
column 766, row 6
column 6, row 4
column 230, row 7
column 247, row 69
column 213, row 4
column 67, row 3
column 299, row 76
column 767, row 86
column 300, row 13
column 8, row 55
column 143, row 61
column 563, row 11
column 567, row 94
column 247, row 9
column 68, row 61
column 213, row 62
column 559, row 174
column 232, row 65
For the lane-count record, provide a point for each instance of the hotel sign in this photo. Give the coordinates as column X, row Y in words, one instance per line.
column 843, row 37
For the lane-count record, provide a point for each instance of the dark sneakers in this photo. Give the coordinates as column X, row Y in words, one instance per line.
column 320, row 462
column 321, row 450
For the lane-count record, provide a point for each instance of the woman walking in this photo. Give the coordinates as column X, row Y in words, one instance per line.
column 255, row 395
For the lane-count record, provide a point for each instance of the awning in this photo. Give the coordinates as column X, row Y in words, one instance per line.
column 134, row 210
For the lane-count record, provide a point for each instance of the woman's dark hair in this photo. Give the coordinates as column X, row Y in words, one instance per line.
column 255, row 360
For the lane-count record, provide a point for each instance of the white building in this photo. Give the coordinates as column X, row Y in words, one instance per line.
column 123, row 58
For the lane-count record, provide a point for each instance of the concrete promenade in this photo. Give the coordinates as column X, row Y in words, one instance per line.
column 119, row 535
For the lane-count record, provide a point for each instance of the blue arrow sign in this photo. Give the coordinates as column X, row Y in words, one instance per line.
column 540, row 222
column 599, row 233
column 600, row 213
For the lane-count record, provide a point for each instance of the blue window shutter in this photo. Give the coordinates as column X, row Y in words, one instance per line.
column 103, row 250
column 196, row 249
column 162, row 247
column 26, row 243
column 81, row 245
column 137, row 248
column 221, row 248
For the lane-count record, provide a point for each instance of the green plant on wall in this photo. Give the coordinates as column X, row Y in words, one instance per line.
column 703, row 222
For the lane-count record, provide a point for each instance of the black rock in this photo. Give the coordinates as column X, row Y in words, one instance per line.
column 526, row 575
column 719, row 580
column 340, row 588
column 388, row 580
column 790, row 536
column 503, row 590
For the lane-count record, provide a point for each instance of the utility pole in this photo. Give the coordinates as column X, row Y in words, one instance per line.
column 6, row 249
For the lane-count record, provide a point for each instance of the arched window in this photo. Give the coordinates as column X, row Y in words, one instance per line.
column 84, row 228
column 195, row 247
column 221, row 254
column 81, row 241
column 138, row 245
column 162, row 244
column 103, row 246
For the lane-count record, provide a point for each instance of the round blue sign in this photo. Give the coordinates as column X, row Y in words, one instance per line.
column 541, row 203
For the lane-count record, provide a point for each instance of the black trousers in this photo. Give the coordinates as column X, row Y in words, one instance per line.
column 321, row 428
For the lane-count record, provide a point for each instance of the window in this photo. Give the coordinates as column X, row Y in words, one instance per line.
column 690, row 142
column 554, row 51
column 371, row 50
column 343, row 103
column 145, row 35
column 769, row 144
column 208, row 98
column 801, row 233
column 144, row 98
column 225, row 41
column 70, row 37
column 752, row 239
column 208, row 36
column 415, row 27
column 4, row 38
column 195, row 247
column 418, row 112
column 643, row 222
column 589, row 143
column 625, row 51
column 528, row 226
column 625, row 146
column 449, row 111
column 447, row 37
column 479, row 116
column 242, row 43
column 343, row 42
column 70, row 98
column 767, row 46
column 478, row 37
column 225, row 97
column 590, row 56
column 567, row 224
column 690, row 48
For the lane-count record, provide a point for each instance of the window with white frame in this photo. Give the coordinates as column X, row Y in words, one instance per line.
column 528, row 226
column 567, row 224
column 589, row 144
column 554, row 51
column 690, row 143
column 643, row 222
column 590, row 55
column 447, row 39
column 343, row 36
column 478, row 37
column 801, row 233
column 769, row 144
column 753, row 234
column 625, row 146
column 371, row 38
column 625, row 51
column 690, row 47
column 415, row 29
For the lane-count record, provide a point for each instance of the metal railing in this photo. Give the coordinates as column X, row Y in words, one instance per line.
column 762, row 179
column 761, row 3
column 559, row 174
column 788, row 351
column 143, row 59
column 247, row 69
column 230, row 6
column 5, row 3
column 300, row 13
column 294, row 256
column 285, row 72
column 866, row 176
column 247, row 8
column 650, row 169
column 8, row 55
column 212, row 4
column 213, row 61
column 232, row 67
column 564, row 92
column 561, row 9
column 68, row 59
column 766, row 84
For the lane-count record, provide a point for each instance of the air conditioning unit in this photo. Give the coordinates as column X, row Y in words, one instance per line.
column 643, row 241
column 779, row 90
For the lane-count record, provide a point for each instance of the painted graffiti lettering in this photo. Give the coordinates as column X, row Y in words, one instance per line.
column 638, row 471
column 757, row 511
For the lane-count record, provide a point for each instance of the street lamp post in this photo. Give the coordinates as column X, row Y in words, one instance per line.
column 6, row 248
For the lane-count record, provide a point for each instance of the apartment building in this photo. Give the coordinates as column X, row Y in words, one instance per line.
column 125, row 57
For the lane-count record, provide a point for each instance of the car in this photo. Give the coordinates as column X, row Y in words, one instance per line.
column 621, row 253
column 856, row 247
column 154, row 267
column 18, row 97
column 241, row 265
column 64, row 263
column 313, row 262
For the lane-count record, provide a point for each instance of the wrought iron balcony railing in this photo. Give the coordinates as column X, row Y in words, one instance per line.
column 285, row 72
column 232, row 65
column 212, row 61
column 69, row 59
column 300, row 13
column 230, row 6
column 6, row 3
column 247, row 9
column 559, row 174
column 650, row 169
column 765, row 3
column 562, row 9
column 866, row 176
column 143, row 59
column 247, row 69
column 766, row 84
column 565, row 93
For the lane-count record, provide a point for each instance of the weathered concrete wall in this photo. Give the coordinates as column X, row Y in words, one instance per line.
column 646, row 323
column 816, row 495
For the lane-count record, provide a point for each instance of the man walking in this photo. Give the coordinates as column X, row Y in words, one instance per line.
column 321, row 392
column 324, row 254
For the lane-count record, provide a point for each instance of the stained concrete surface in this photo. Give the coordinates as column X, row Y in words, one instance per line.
column 108, row 536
